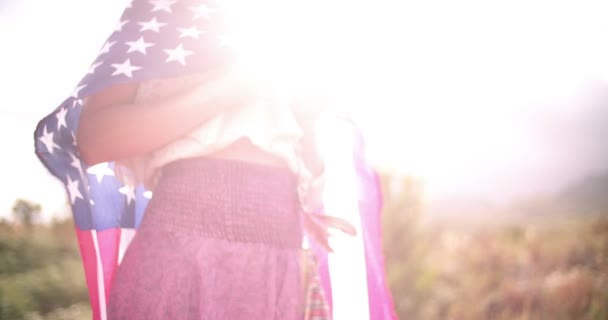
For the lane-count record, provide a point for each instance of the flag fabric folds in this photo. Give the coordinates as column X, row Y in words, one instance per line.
column 153, row 39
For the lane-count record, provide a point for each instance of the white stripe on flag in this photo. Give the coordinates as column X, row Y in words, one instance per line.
column 100, row 278
column 126, row 236
column 347, row 269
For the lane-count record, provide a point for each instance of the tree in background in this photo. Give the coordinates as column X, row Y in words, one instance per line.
column 26, row 212
column 41, row 275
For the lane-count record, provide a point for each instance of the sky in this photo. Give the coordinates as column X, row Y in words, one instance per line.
column 500, row 99
column 47, row 47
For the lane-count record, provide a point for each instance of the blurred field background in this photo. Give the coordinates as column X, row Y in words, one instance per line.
column 533, row 260
column 517, row 263
column 488, row 122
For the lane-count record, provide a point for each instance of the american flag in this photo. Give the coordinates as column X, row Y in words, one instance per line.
column 153, row 39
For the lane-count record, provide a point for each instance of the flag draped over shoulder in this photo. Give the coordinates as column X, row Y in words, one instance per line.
column 154, row 39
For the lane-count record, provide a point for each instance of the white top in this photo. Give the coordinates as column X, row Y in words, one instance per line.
column 269, row 124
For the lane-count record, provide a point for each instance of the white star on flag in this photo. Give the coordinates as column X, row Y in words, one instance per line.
column 47, row 140
column 201, row 11
column 120, row 25
column 76, row 91
column 107, row 46
column 140, row 45
column 148, row 194
column 152, row 25
column 73, row 139
column 100, row 170
column 93, row 67
column 164, row 5
column 76, row 163
column 61, row 118
column 193, row 32
column 178, row 54
column 73, row 190
column 129, row 192
column 124, row 68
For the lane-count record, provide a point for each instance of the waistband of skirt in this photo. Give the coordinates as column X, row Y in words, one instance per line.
column 228, row 199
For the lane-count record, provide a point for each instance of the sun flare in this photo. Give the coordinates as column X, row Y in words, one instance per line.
column 445, row 91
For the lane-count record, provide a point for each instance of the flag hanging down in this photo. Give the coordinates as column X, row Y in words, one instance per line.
column 153, row 39
column 353, row 277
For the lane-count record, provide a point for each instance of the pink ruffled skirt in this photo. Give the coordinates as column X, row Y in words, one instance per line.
column 220, row 240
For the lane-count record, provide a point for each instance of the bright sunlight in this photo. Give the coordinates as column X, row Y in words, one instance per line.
column 461, row 79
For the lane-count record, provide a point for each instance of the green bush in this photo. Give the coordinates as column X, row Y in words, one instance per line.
column 41, row 272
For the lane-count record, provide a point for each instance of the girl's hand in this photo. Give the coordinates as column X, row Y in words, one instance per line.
column 317, row 227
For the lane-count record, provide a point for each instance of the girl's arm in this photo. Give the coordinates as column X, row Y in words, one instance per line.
column 113, row 126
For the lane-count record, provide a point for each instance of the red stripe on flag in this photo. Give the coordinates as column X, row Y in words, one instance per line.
column 108, row 242
column 89, row 260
